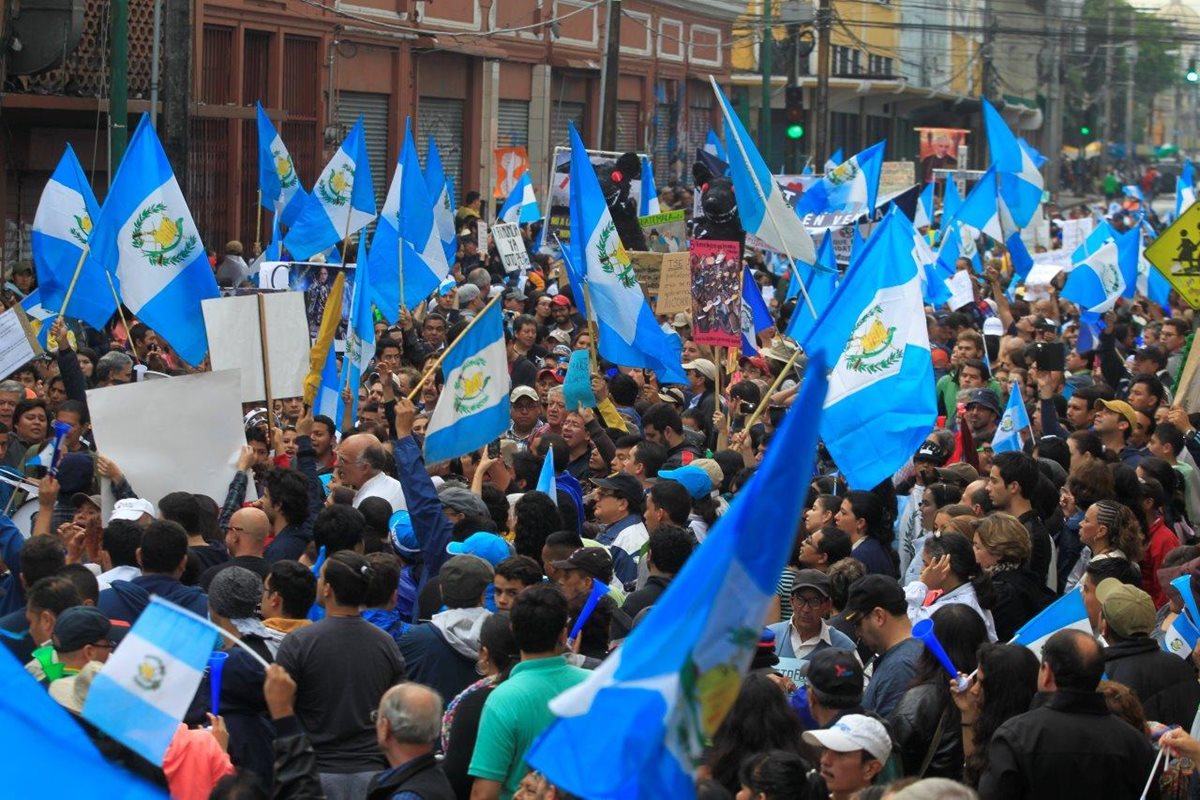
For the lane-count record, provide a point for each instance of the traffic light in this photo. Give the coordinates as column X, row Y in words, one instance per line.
column 1192, row 75
column 1084, row 130
column 794, row 108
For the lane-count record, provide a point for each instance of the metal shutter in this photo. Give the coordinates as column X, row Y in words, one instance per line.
column 698, row 122
column 442, row 118
column 664, row 128
column 565, row 112
column 628, row 130
column 374, row 110
column 512, row 124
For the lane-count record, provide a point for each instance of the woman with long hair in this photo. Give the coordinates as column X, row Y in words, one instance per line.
column 761, row 720
column 1002, row 550
column 864, row 519
column 1004, row 685
column 1109, row 530
column 951, row 575
column 535, row 517
column 926, row 722
column 775, row 775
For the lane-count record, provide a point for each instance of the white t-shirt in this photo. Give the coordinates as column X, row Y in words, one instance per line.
column 385, row 486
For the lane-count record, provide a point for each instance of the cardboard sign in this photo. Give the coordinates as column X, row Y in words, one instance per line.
column 577, row 386
column 1075, row 231
column 138, row 426
column 675, row 284
column 510, row 246
column 791, row 668
column 234, row 342
column 716, row 293
column 18, row 346
column 648, row 268
column 665, row 232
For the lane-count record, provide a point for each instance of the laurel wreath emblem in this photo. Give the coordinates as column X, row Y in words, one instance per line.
column 82, row 230
column 878, row 354
column 335, row 190
column 164, row 244
column 615, row 262
column 284, row 168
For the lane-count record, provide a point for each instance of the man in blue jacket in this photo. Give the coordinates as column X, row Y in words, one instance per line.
column 163, row 556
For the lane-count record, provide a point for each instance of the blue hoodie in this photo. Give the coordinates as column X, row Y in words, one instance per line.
column 125, row 600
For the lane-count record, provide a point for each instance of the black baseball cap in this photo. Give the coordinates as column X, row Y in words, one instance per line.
column 932, row 452
column 986, row 398
column 80, row 626
column 811, row 579
column 874, row 591
column 623, row 485
column 835, row 672
column 595, row 561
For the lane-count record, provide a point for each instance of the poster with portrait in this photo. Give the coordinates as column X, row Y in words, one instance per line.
column 716, row 292
column 939, row 149
column 314, row 279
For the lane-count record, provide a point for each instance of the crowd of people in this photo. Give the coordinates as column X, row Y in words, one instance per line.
column 419, row 617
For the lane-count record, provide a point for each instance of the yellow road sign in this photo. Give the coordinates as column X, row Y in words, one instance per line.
column 1176, row 254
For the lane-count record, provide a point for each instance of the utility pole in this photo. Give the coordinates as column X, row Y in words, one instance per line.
column 1055, row 132
column 610, row 78
column 765, row 58
column 986, row 49
column 821, row 106
column 1106, row 127
column 118, row 92
column 1132, row 57
column 175, row 127
column 792, row 147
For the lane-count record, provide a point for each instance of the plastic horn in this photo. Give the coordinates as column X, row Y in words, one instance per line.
column 61, row 429
column 216, row 666
column 923, row 630
column 598, row 591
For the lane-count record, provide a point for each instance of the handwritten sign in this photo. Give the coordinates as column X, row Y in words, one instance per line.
column 510, row 246
column 17, row 344
column 675, row 284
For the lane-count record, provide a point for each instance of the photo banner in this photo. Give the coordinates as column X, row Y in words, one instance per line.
column 716, row 293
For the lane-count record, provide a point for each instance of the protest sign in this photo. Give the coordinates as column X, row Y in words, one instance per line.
column 962, row 291
column 665, row 232
column 716, row 292
column 896, row 176
column 1075, row 231
column 511, row 164
column 510, row 246
column 1046, row 266
column 843, row 243
column 648, row 269
column 577, row 386
column 794, row 668
column 17, row 343
column 234, row 341
column 674, row 284
column 183, row 433
column 314, row 279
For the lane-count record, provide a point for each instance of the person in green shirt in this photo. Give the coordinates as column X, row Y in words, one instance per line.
column 518, row 710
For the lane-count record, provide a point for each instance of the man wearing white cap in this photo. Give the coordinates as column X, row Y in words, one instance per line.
column 702, row 379
column 854, row 751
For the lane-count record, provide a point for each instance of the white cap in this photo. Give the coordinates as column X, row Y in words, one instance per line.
column 132, row 509
column 854, row 732
column 992, row 326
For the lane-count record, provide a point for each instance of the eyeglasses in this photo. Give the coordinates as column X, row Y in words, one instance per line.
column 811, row 601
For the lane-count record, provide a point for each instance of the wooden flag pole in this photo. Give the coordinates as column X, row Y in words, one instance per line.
column 442, row 357
column 266, row 363
column 75, row 279
column 258, row 227
column 593, row 332
column 121, row 314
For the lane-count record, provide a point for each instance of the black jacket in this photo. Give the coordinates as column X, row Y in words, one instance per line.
column 1165, row 683
column 422, row 776
column 296, row 775
column 646, row 596
column 431, row 660
column 1020, row 595
column 914, row 724
column 1069, row 747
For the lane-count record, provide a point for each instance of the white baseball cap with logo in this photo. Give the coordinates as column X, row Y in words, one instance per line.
column 132, row 509
column 854, row 732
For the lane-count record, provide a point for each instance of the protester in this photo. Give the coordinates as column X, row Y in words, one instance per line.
column 878, row 609
column 853, row 753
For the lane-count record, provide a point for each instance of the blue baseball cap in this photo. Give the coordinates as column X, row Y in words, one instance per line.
column 693, row 478
column 488, row 546
column 404, row 539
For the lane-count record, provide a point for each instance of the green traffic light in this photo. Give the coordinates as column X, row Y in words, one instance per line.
column 1085, row 130
column 795, row 130
column 1192, row 76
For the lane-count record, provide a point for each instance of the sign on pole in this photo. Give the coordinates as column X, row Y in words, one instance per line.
column 1176, row 253
column 510, row 246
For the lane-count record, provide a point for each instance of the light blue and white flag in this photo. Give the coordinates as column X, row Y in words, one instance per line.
column 629, row 334
column 328, row 400
column 1018, row 255
column 713, row 146
column 442, row 197
column 360, row 333
column 849, row 188
column 547, row 484
column 1019, row 183
column 923, row 214
column 1183, row 585
column 473, row 407
column 874, row 335
column 145, row 234
column 1180, row 637
column 277, row 179
column 1096, row 284
column 62, row 227
column 984, row 210
column 32, row 304
column 763, row 210
column 342, row 201
column 654, row 701
column 1014, row 420
column 821, row 282
column 1185, row 188
column 148, row 682
column 834, row 160
column 649, row 200
column 1133, row 192
column 521, row 206
column 1066, row 613
column 756, row 317
column 1150, row 282
column 951, row 202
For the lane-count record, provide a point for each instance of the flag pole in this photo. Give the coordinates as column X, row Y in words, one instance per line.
column 121, row 313
column 593, row 332
column 266, row 363
column 258, row 226
column 762, row 196
column 75, row 279
column 442, row 357
column 766, row 400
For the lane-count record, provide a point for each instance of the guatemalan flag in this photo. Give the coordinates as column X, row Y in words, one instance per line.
column 821, row 282
column 761, row 206
column 277, row 179
column 145, row 231
column 32, row 304
column 520, row 207
column 547, row 484
column 713, row 146
column 1019, row 183
column 629, row 335
column 360, row 334
column 62, row 228
column 473, row 407
column 148, row 682
column 1096, row 284
column 1180, row 637
column 649, row 192
column 658, row 699
column 1067, row 612
column 439, row 193
column 1014, row 420
column 342, row 201
column 874, row 335
column 756, row 317
column 328, row 400
column 1185, row 188
column 1150, row 281
column 984, row 210
column 849, row 188
column 923, row 214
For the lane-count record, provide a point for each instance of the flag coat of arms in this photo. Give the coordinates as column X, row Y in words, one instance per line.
column 145, row 231
column 473, row 407
column 277, row 179
column 1014, row 420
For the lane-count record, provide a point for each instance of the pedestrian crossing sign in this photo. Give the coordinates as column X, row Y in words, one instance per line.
column 1176, row 254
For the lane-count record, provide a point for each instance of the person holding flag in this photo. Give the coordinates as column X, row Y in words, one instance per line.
column 1014, row 420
